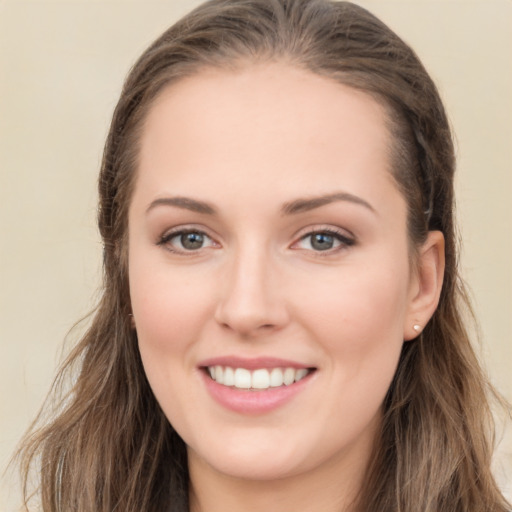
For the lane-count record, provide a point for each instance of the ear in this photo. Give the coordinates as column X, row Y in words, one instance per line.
column 426, row 284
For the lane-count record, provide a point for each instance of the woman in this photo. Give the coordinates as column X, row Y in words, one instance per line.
column 281, row 325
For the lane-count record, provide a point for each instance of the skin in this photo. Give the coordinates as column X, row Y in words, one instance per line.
column 248, row 143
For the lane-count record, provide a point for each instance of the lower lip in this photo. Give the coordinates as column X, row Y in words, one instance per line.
column 248, row 401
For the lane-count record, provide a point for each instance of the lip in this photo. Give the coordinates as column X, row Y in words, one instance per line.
column 253, row 402
column 252, row 363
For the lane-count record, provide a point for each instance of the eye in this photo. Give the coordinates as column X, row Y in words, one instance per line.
column 325, row 240
column 186, row 240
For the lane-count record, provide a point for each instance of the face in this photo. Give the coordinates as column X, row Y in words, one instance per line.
column 269, row 268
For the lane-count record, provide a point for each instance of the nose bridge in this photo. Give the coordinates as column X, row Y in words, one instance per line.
column 250, row 300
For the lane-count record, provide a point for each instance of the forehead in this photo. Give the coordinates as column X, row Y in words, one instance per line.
column 273, row 95
column 260, row 124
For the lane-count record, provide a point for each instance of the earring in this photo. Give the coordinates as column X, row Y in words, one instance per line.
column 417, row 328
column 132, row 320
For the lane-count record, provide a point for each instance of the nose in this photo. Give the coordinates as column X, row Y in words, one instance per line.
column 252, row 301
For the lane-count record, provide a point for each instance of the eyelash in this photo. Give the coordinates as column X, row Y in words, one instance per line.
column 345, row 241
column 340, row 236
column 167, row 237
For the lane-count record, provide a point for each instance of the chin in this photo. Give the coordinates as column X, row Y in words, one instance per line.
column 257, row 469
column 254, row 461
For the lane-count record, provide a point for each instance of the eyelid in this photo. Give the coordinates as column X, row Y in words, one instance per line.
column 345, row 237
column 168, row 235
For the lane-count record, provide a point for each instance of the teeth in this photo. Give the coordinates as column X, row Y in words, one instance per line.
column 289, row 376
column 242, row 378
column 219, row 374
column 229, row 377
column 276, row 378
column 260, row 379
column 300, row 374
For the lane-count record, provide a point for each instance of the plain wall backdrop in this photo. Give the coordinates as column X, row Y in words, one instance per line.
column 62, row 64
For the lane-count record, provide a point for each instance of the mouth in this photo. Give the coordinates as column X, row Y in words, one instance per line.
column 258, row 379
column 254, row 386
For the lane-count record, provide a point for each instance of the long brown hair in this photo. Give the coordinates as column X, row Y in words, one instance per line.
column 107, row 445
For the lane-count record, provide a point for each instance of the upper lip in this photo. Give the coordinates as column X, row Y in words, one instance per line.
column 252, row 363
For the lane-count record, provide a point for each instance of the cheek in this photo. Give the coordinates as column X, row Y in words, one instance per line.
column 363, row 307
column 167, row 301
column 360, row 328
column 170, row 308
column 169, row 311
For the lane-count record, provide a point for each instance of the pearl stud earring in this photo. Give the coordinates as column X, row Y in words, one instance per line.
column 417, row 328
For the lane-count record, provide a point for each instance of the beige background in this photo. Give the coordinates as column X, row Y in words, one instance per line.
column 62, row 64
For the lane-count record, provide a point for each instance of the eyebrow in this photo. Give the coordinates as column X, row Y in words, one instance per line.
column 290, row 208
column 184, row 202
column 307, row 204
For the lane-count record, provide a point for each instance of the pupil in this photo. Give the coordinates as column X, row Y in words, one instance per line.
column 322, row 242
column 192, row 240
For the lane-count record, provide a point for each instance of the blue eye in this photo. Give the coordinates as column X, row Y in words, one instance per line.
column 319, row 241
column 186, row 240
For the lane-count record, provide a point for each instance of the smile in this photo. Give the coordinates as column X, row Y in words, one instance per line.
column 258, row 379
